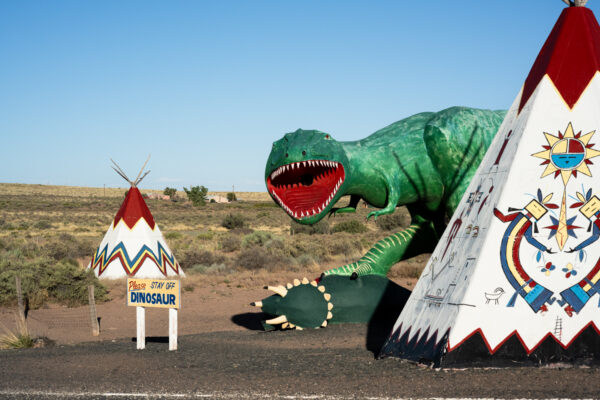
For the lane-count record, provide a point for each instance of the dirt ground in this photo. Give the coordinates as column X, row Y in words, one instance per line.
column 223, row 354
column 215, row 304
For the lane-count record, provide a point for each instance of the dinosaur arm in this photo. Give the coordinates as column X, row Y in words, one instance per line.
column 419, row 237
column 393, row 198
column 350, row 208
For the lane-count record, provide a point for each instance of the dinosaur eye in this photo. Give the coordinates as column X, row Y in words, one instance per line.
column 303, row 152
column 326, row 136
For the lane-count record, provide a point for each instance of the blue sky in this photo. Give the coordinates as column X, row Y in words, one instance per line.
column 207, row 86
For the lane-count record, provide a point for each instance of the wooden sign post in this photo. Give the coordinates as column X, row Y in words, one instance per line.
column 159, row 293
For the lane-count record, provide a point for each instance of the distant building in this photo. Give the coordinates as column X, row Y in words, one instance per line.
column 158, row 196
column 216, row 198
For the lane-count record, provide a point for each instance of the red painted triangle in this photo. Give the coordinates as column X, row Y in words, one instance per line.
column 133, row 208
column 570, row 57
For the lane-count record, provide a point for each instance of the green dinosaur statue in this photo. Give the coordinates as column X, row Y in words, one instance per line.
column 424, row 162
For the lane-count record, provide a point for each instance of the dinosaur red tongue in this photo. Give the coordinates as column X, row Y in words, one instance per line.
column 306, row 188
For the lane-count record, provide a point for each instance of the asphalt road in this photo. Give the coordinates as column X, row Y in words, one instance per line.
column 332, row 363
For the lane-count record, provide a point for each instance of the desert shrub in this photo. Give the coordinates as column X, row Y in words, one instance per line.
column 306, row 260
column 352, row 226
column 231, row 196
column 43, row 224
column 303, row 244
column 230, row 243
column 68, row 246
column 345, row 246
column 254, row 258
column 340, row 247
column 201, row 257
column 233, row 221
column 206, row 236
column 196, row 194
column 265, row 205
column 214, row 269
column 395, row 221
column 263, row 214
column 171, row 192
column 173, row 235
column 320, row 228
column 43, row 279
column 68, row 283
column 258, row 238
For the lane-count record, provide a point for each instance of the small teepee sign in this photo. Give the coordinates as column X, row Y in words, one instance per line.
column 133, row 245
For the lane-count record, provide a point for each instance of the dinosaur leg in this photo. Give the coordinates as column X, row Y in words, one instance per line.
column 336, row 298
column 420, row 237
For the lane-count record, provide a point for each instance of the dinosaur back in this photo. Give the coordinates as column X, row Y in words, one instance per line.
column 457, row 139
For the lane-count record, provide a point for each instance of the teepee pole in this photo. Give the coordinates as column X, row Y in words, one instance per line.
column 119, row 171
column 138, row 179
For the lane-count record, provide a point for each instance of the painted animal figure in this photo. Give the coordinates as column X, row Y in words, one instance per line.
column 424, row 162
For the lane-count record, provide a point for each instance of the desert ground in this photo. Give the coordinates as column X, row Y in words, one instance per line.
column 49, row 232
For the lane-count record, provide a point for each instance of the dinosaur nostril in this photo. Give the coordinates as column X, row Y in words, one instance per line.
column 303, row 152
column 286, row 155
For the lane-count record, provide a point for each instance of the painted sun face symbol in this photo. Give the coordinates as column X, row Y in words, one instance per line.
column 567, row 154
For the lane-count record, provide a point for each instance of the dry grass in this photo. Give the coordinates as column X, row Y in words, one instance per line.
column 77, row 191
column 38, row 221
column 17, row 339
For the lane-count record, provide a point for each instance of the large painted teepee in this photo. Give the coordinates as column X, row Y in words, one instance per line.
column 133, row 244
column 516, row 273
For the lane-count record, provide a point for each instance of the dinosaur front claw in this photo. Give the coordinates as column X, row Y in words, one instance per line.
column 303, row 304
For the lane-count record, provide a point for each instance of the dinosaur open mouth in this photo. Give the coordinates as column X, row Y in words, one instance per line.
column 304, row 189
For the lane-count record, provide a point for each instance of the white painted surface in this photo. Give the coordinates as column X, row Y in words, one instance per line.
column 134, row 240
column 456, row 291
column 173, row 328
column 141, row 327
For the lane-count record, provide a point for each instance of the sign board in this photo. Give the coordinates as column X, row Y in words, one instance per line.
column 153, row 293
